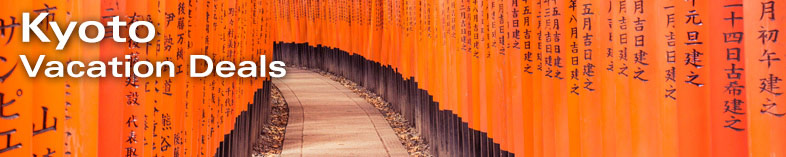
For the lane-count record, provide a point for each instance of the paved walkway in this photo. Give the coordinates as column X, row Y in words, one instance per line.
column 328, row 119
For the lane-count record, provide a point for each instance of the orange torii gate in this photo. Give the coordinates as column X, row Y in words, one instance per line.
column 136, row 116
column 566, row 78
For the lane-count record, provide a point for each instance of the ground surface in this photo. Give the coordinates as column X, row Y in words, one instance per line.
column 328, row 119
column 406, row 131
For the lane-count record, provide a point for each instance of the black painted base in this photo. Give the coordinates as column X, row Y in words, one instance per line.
column 248, row 126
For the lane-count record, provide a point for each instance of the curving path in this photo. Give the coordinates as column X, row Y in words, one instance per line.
column 328, row 119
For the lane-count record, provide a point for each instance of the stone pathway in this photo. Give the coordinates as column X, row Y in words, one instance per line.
column 327, row 119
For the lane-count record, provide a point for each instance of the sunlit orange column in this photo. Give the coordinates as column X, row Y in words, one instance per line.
column 664, row 57
column 16, row 89
column 547, row 89
column 589, row 26
column 691, row 18
column 728, row 120
column 643, row 70
column 764, row 77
